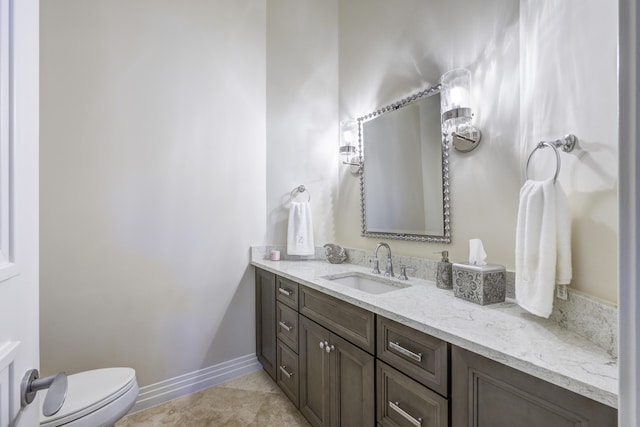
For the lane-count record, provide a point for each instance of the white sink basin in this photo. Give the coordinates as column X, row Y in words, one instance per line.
column 366, row 283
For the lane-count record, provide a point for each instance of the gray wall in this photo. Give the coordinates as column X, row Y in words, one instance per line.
column 152, row 182
column 302, row 112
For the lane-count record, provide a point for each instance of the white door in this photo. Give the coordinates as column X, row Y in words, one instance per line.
column 18, row 206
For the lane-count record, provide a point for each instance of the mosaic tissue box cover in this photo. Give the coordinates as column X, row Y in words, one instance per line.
column 481, row 284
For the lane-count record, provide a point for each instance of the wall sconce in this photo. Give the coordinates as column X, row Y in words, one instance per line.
column 348, row 148
column 456, row 110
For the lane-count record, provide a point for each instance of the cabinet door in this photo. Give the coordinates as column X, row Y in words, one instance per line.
column 266, row 321
column 486, row 393
column 314, row 372
column 352, row 385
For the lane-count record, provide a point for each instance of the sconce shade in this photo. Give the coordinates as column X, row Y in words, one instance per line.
column 455, row 98
column 348, row 149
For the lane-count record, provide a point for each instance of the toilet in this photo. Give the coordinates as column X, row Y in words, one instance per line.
column 95, row 398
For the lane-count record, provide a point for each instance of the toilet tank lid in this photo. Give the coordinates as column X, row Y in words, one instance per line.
column 93, row 388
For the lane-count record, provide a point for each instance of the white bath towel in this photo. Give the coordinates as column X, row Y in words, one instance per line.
column 543, row 245
column 300, row 230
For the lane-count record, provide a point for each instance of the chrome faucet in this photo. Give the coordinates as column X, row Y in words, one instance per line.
column 388, row 271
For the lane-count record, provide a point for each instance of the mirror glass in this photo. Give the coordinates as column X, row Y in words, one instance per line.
column 404, row 178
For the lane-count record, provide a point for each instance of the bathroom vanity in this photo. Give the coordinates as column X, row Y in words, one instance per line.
column 349, row 357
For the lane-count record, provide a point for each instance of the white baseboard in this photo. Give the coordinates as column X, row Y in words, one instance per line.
column 183, row 385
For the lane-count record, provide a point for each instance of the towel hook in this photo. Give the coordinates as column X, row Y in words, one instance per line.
column 566, row 144
column 300, row 189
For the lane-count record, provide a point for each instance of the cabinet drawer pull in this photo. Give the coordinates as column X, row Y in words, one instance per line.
column 285, row 326
column 284, row 291
column 396, row 407
column 397, row 347
column 284, row 371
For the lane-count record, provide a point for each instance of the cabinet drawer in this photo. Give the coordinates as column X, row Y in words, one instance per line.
column 287, row 292
column 352, row 323
column 403, row 402
column 287, row 326
column 288, row 377
column 421, row 356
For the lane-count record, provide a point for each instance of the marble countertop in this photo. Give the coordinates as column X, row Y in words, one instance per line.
column 503, row 332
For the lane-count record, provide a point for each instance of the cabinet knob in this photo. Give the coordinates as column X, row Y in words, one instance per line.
column 328, row 348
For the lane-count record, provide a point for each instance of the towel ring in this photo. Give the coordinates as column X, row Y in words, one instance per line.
column 542, row 145
column 567, row 144
column 300, row 189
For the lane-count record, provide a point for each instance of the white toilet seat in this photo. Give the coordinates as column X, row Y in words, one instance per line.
column 96, row 398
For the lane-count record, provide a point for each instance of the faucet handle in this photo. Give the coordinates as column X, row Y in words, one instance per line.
column 403, row 271
column 376, row 265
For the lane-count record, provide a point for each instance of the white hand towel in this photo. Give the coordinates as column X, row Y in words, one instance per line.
column 300, row 230
column 543, row 245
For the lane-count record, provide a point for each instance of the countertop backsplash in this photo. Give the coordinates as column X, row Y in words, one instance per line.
column 582, row 314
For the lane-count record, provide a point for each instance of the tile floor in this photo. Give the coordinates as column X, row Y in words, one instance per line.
column 253, row 400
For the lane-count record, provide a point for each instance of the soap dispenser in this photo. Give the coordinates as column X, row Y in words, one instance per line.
column 444, row 279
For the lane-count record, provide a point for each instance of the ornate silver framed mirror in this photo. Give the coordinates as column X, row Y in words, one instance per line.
column 404, row 177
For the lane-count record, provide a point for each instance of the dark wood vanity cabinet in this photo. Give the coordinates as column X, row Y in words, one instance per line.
column 266, row 350
column 342, row 365
column 486, row 393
